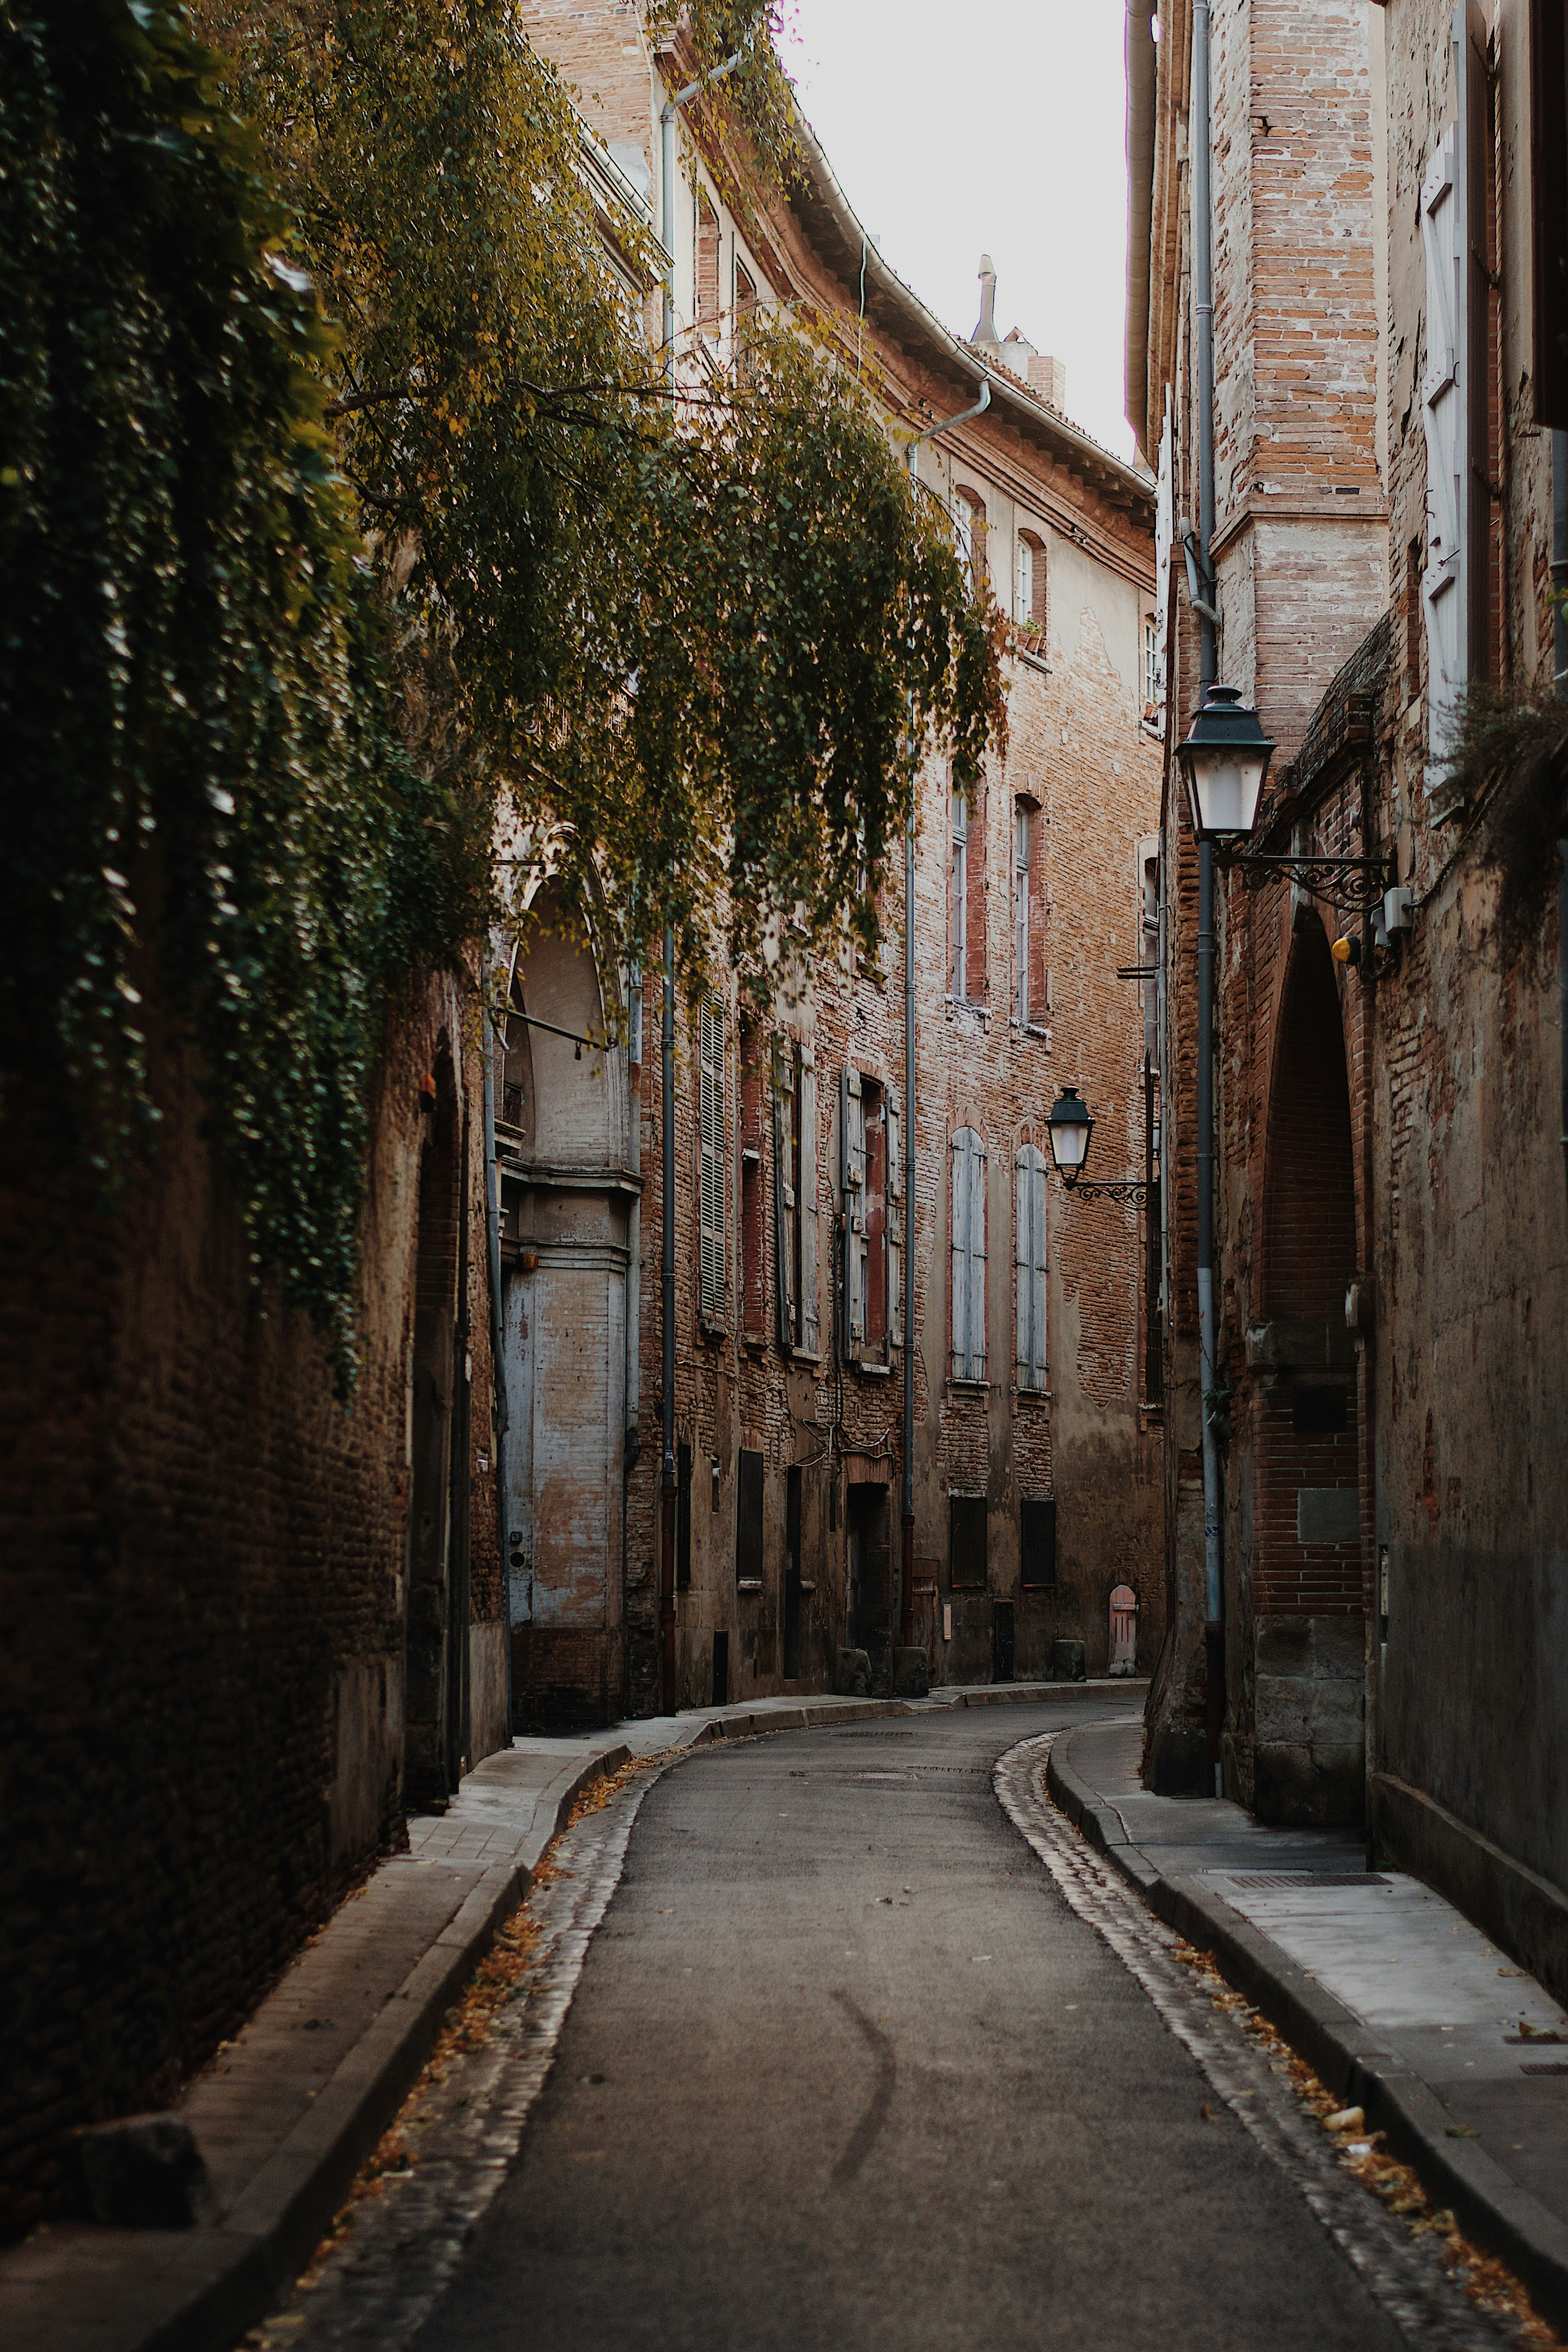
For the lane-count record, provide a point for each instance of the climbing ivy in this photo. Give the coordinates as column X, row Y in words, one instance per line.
column 340, row 491
column 210, row 819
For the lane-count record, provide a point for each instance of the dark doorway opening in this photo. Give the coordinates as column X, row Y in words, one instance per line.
column 721, row 1669
column 870, row 1574
column 792, row 1573
column 432, row 1691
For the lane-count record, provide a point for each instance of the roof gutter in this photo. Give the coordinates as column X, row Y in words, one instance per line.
column 954, row 352
column 1142, row 82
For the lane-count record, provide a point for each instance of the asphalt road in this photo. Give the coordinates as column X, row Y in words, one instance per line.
column 845, row 2070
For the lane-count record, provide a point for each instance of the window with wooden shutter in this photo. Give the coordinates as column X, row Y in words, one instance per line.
column 808, row 1290
column 874, row 1261
column 852, row 1213
column 1037, row 1545
column 966, row 1542
column 683, row 1516
column 968, row 1256
column 753, row 1219
column 1029, row 1253
column 707, row 265
column 786, row 1184
column 893, row 1121
column 958, row 900
column 749, row 1518
column 1453, row 392
column 1022, row 842
column 974, row 910
column 711, row 1268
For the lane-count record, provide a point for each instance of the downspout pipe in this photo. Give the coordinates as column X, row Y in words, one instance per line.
column 666, row 1113
column 1559, row 680
column 498, row 1356
column 1208, row 664
column 907, row 1594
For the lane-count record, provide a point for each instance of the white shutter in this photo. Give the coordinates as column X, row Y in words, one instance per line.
column 852, row 1187
column 977, row 1260
column 968, row 1256
column 806, row 1207
column 784, row 1131
column 710, row 1146
column 891, row 1112
column 1029, row 1258
column 958, row 1230
column 1453, row 393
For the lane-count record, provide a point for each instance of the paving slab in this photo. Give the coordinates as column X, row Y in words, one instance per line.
column 1401, row 2004
column 288, row 2111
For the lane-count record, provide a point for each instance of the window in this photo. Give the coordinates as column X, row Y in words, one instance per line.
column 968, row 1256
column 1037, row 1545
column 871, row 1181
column 966, row 1542
column 711, row 1268
column 683, row 1517
column 969, row 523
column 1029, row 588
column 746, row 305
column 754, row 1243
column 1030, row 1251
column 707, row 265
column 794, row 1194
column 966, row 897
column 1028, row 912
column 749, row 1520
column 1153, row 695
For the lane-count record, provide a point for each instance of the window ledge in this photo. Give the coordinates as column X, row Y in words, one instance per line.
column 873, row 1371
column 748, row 1584
column 969, row 1388
column 1032, row 1396
column 803, row 1585
column 804, row 1356
column 714, row 1333
column 755, row 1342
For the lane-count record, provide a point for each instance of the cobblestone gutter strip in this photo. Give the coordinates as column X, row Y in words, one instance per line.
column 1344, row 2051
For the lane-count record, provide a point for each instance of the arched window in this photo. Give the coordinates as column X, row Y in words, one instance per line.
column 707, row 265
column 969, row 522
column 1029, row 1254
column 1030, row 582
column 968, row 1256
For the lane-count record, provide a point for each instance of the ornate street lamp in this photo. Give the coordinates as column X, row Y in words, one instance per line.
column 1223, row 761
column 1069, row 1127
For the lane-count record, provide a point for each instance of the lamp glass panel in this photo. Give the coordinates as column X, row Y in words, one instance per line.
column 1070, row 1142
column 1224, row 784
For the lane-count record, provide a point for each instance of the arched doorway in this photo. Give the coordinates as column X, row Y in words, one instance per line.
column 569, row 1187
column 1306, row 1579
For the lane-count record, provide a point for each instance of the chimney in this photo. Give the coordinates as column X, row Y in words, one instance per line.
column 1049, row 382
column 985, row 332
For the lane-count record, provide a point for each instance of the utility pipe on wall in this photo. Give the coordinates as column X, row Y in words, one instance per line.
column 1203, row 308
column 907, row 1596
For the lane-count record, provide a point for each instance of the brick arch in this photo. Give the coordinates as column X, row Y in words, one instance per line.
column 1309, row 1257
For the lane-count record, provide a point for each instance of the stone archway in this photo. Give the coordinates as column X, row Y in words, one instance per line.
column 1306, row 1573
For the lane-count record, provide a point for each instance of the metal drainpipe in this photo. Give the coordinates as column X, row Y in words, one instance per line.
column 1202, row 307
column 498, row 1358
column 1560, row 678
column 907, row 1597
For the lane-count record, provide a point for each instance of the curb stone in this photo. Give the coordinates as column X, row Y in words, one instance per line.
column 1342, row 2051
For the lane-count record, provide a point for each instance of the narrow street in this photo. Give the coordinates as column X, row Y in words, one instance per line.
column 837, row 1992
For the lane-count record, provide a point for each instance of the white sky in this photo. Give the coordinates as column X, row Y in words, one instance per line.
column 998, row 128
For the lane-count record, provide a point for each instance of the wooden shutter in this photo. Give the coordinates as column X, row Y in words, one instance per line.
column 892, row 1114
column 806, row 1206
column 852, row 1187
column 749, row 1518
column 1038, row 1545
column 710, row 1146
column 1029, row 1258
column 966, row 1554
column 974, row 912
column 785, row 1117
column 968, row 1256
column 1453, row 392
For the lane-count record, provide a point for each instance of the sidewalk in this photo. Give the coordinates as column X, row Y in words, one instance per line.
column 289, row 2111
column 1400, row 2005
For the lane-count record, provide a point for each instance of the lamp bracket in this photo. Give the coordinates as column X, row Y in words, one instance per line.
column 1138, row 1193
column 1350, row 885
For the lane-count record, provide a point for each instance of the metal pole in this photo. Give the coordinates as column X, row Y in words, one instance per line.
column 666, row 1044
column 1208, row 664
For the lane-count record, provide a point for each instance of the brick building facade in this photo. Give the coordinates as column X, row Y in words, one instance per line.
column 1387, row 223
column 800, row 1180
column 244, row 1624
